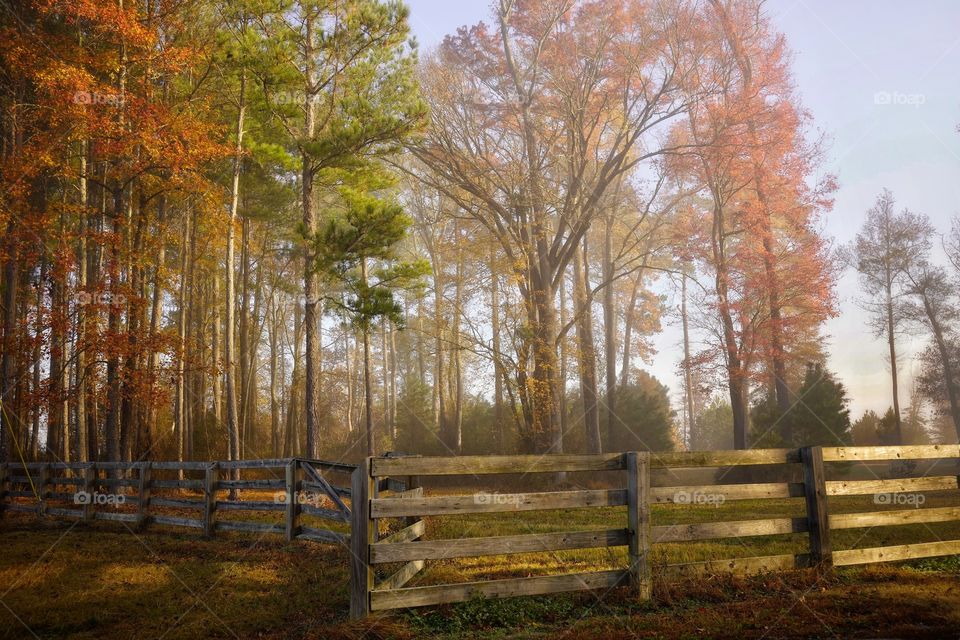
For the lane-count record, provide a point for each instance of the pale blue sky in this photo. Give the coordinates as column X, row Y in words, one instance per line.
column 846, row 53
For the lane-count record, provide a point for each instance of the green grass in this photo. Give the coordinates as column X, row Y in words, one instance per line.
column 101, row 580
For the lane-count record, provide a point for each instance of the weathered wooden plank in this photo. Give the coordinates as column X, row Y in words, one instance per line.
column 210, row 477
column 815, row 489
column 737, row 566
column 113, row 466
column 174, row 466
column 326, row 488
column 329, row 465
column 388, row 551
column 638, row 521
column 115, row 516
column 292, row 506
column 478, row 465
column 407, row 534
column 897, row 552
column 916, row 452
column 362, row 535
column 717, row 494
column 66, row 513
column 496, row 502
column 266, row 463
column 729, row 529
column 897, row 485
column 728, row 458
column 316, row 486
column 175, row 521
column 422, row 596
column 250, row 505
column 252, row 527
column 893, row 518
column 402, row 576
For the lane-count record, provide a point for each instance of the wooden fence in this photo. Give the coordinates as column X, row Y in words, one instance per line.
column 810, row 473
column 389, row 488
column 159, row 493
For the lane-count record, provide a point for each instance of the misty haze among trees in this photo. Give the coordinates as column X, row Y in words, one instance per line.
column 264, row 228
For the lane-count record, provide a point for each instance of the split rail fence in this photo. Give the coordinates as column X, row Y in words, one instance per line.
column 303, row 502
column 811, row 473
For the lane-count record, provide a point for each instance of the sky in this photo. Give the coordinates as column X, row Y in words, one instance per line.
column 881, row 79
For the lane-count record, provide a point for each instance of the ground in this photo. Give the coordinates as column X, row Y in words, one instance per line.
column 102, row 580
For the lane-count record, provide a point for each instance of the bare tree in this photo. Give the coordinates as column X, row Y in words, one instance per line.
column 887, row 248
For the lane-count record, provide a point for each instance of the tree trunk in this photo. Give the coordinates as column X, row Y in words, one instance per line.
column 497, row 365
column 891, row 344
column 687, row 364
column 244, row 347
column 310, row 284
column 180, row 413
column 112, row 423
column 587, row 355
column 949, row 373
column 156, row 310
column 229, row 349
column 609, row 325
column 82, row 452
column 367, row 385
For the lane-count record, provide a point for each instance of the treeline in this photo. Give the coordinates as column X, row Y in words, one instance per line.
column 245, row 229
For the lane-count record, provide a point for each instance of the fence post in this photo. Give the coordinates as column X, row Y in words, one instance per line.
column 293, row 503
column 362, row 531
column 815, row 492
column 143, row 495
column 210, row 499
column 638, row 521
column 89, row 475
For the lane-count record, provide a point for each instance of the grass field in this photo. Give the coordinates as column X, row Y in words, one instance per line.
column 103, row 581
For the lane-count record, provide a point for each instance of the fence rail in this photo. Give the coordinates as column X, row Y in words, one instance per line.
column 137, row 497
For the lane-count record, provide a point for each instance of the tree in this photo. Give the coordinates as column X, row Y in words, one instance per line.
column 820, row 416
column 887, row 247
column 352, row 67
column 536, row 182
column 357, row 253
column 644, row 419
column 866, row 429
column 712, row 427
column 752, row 167
column 934, row 304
